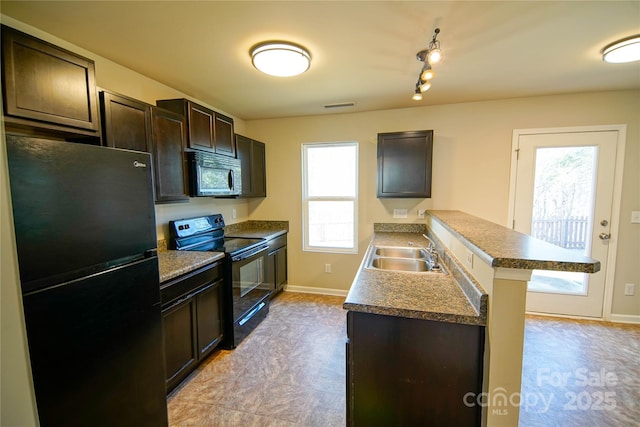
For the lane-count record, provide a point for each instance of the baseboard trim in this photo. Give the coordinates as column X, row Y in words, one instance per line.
column 625, row 318
column 318, row 291
column 614, row 318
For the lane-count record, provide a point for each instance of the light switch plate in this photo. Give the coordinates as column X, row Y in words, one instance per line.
column 635, row 217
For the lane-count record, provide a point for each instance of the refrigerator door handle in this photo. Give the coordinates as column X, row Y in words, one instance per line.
column 149, row 253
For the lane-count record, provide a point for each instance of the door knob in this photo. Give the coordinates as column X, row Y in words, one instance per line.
column 605, row 236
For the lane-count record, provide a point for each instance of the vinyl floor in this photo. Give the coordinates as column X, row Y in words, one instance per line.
column 291, row 372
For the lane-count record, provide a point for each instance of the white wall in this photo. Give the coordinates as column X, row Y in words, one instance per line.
column 471, row 165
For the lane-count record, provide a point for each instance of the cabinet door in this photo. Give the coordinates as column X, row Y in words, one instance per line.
column 404, row 164
column 48, row 84
column 243, row 147
column 209, row 318
column 200, row 122
column 276, row 268
column 168, row 160
column 126, row 122
column 180, row 350
column 281, row 267
column 258, row 169
column 251, row 154
column 224, row 141
column 270, row 272
column 436, row 371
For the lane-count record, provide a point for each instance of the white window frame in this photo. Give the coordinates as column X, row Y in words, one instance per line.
column 306, row 199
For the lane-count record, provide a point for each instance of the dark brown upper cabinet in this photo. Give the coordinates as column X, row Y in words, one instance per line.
column 47, row 88
column 223, row 129
column 252, row 162
column 126, row 122
column 404, row 164
column 206, row 129
column 168, row 136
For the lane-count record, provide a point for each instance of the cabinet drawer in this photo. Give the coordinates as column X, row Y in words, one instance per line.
column 277, row 242
column 186, row 284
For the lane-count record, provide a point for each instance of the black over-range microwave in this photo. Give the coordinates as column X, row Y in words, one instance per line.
column 213, row 175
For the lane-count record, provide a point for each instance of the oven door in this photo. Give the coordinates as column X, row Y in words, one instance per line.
column 249, row 284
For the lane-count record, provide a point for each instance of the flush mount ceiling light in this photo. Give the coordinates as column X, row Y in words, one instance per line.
column 625, row 50
column 280, row 59
column 429, row 56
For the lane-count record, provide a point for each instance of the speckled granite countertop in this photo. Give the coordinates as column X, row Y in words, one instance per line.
column 499, row 246
column 176, row 263
column 257, row 229
column 432, row 296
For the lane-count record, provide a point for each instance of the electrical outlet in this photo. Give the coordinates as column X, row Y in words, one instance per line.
column 234, row 214
column 629, row 289
column 421, row 213
column 399, row 213
column 635, row 217
column 470, row 258
column 327, row 268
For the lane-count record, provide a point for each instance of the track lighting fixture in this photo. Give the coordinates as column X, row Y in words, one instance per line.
column 430, row 55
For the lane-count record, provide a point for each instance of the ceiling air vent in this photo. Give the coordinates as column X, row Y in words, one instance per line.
column 340, row 105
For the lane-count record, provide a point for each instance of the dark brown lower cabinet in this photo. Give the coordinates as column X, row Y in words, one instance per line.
column 179, row 352
column 191, row 320
column 277, row 263
column 209, row 318
column 412, row 372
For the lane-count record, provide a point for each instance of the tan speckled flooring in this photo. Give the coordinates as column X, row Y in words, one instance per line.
column 580, row 373
column 291, row 372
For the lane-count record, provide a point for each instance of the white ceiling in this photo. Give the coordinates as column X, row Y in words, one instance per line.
column 362, row 51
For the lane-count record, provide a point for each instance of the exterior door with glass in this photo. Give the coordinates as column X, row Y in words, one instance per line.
column 563, row 194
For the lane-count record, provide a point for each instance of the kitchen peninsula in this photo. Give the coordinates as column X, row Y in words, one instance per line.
column 491, row 265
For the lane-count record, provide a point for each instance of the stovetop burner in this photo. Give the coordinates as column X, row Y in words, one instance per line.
column 206, row 233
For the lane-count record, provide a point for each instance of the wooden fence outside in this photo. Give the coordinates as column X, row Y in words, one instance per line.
column 570, row 233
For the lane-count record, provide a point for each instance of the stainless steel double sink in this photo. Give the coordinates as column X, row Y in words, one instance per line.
column 411, row 259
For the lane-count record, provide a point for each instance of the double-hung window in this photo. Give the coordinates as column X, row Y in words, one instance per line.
column 330, row 197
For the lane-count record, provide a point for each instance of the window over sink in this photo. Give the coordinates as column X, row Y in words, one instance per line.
column 330, row 197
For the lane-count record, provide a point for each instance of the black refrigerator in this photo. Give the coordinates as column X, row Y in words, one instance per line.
column 87, row 253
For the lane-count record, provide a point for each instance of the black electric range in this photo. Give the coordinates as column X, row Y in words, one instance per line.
column 206, row 233
column 246, row 291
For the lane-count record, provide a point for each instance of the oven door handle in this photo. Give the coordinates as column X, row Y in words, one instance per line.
column 251, row 314
column 249, row 254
